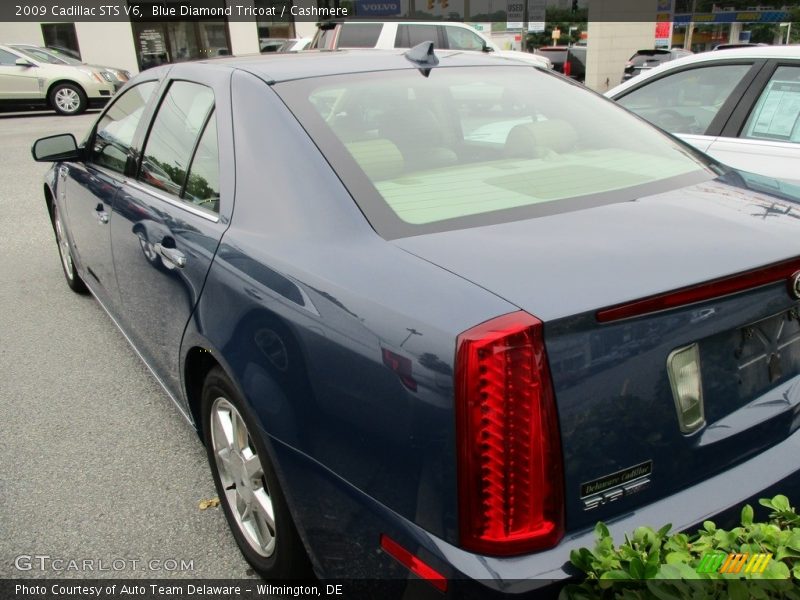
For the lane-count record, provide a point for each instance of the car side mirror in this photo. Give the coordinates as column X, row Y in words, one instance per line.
column 23, row 62
column 487, row 47
column 56, row 148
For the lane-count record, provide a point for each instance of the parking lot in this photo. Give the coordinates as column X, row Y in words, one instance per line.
column 97, row 464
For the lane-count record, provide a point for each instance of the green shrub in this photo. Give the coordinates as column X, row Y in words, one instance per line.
column 660, row 564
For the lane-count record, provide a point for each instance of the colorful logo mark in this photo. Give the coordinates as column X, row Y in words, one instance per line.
column 719, row 562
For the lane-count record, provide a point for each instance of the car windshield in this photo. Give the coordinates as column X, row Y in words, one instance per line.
column 40, row 55
column 70, row 60
column 476, row 145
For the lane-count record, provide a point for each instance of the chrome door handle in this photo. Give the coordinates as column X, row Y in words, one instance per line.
column 172, row 255
column 100, row 212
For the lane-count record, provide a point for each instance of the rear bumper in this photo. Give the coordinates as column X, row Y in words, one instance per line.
column 342, row 526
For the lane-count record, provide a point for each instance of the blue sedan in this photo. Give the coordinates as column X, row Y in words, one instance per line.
column 435, row 316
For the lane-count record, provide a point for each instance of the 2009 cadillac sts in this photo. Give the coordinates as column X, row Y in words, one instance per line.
column 438, row 314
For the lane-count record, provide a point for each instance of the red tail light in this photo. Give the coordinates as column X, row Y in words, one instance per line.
column 567, row 69
column 510, row 473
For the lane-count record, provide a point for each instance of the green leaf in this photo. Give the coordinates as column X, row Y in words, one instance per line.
column 747, row 515
column 776, row 570
column 664, row 530
column 781, row 503
column 766, row 502
column 674, row 558
column 581, row 558
column 601, row 531
column 709, row 526
column 616, row 574
column 737, row 590
column 636, row 568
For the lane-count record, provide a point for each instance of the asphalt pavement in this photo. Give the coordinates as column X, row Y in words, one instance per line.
column 96, row 463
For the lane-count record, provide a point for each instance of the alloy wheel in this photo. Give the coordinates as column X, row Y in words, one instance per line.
column 67, row 100
column 242, row 477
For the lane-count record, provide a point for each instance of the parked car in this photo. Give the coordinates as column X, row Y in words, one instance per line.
column 737, row 45
column 644, row 60
column 118, row 77
column 491, row 309
column 284, row 45
column 741, row 106
column 401, row 34
column 28, row 82
column 575, row 67
column 557, row 55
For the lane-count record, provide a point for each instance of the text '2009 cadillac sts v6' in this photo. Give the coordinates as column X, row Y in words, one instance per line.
column 438, row 314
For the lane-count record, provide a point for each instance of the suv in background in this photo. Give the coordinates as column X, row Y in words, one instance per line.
column 644, row 60
column 555, row 54
column 388, row 35
column 569, row 60
column 118, row 77
column 575, row 67
column 27, row 81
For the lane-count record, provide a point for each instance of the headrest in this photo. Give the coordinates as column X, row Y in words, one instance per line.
column 534, row 140
column 379, row 159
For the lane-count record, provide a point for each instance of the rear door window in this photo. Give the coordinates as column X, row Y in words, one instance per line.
column 176, row 137
column 686, row 101
column 359, row 35
column 409, row 36
column 776, row 115
column 459, row 38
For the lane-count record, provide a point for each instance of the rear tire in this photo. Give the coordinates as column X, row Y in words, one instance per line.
column 74, row 280
column 68, row 99
column 247, row 485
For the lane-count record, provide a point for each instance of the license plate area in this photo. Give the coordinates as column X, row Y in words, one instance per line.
column 743, row 363
column 767, row 353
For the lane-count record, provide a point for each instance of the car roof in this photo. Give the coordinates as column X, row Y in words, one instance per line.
column 790, row 51
column 278, row 67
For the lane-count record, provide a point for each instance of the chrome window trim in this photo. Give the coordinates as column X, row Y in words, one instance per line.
column 195, row 210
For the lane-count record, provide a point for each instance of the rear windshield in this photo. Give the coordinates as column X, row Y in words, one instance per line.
column 471, row 146
column 644, row 56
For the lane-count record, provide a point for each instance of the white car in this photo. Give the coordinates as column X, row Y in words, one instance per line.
column 28, row 81
column 407, row 34
column 741, row 106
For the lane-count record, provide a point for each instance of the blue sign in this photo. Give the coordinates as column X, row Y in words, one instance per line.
column 377, row 8
column 737, row 16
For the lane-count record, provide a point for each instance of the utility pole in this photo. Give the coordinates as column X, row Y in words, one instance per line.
column 524, row 36
column 687, row 40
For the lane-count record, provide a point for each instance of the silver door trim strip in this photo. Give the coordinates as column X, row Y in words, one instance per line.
column 176, row 203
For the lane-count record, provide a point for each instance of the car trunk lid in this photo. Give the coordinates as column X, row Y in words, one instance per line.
column 620, row 420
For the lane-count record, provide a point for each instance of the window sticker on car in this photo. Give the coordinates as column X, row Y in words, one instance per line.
column 778, row 113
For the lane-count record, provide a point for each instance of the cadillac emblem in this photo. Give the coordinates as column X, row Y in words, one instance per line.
column 794, row 285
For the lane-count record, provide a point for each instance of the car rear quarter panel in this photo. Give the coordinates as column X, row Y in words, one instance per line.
column 301, row 303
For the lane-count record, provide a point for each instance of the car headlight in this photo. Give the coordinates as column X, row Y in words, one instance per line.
column 93, row 74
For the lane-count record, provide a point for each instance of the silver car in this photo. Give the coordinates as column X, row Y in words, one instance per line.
column 30, row 80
